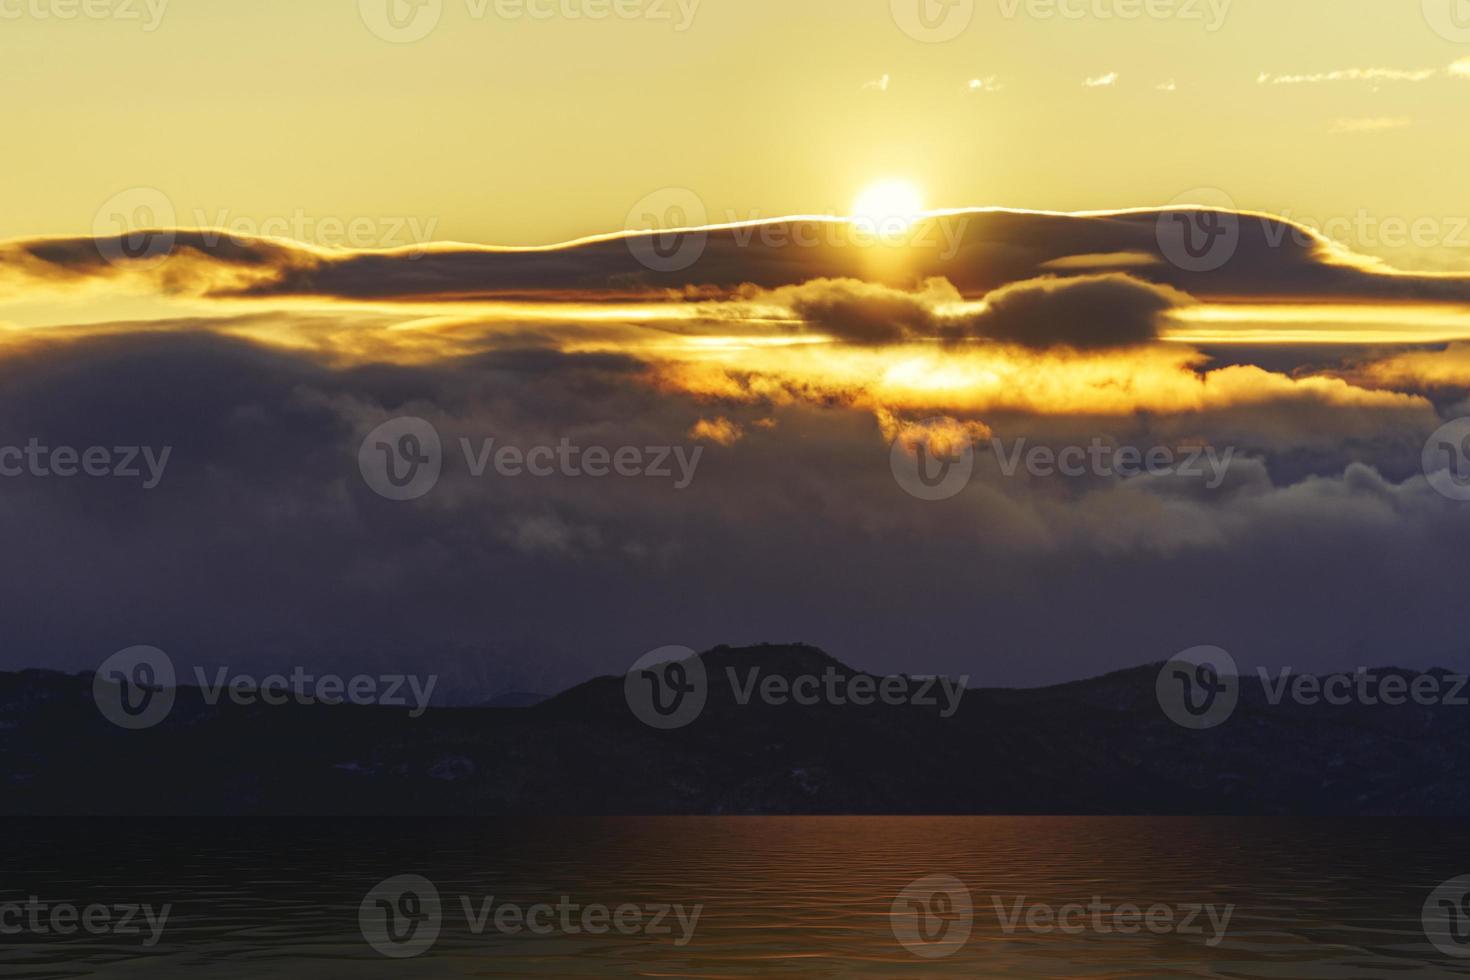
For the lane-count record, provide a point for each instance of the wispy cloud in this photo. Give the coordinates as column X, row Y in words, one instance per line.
column 987, row 84
column 1168, row 86
column 1371, row 125
column 1101, row 81
column 878, row 84
column 1460, row 69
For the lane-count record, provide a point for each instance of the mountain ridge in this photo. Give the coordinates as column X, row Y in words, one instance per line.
column 1100, row 745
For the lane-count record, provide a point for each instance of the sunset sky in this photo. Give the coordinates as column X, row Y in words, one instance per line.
column 523, row 131
column 255, row 232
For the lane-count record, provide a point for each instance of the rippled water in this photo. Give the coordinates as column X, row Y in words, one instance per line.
column 780, row 896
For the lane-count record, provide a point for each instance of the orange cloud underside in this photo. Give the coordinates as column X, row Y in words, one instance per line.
column 987, row 378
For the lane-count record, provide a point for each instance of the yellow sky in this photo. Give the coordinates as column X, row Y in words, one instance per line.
column 511, row 129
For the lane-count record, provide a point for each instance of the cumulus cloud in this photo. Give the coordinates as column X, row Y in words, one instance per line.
column 720, row 431
column 939, row 436
column 864, row 312
column 1446, row 369
column 1083, row 312
column 1101, row 81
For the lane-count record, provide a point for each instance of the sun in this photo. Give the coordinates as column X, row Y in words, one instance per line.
column 888, row 206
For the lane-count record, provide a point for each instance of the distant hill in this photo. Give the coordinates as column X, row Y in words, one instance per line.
column 1096, row 746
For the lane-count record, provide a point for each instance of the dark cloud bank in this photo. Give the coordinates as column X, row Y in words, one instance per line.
column 1263, row 258
column 263, row 547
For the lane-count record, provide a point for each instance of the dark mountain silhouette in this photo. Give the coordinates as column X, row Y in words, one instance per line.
column 1095, row 746
column 514, row 699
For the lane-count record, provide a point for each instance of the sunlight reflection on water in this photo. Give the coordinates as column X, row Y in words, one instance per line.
column 781, row 896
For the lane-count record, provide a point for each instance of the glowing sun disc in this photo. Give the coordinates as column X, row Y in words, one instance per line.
column 888, row 204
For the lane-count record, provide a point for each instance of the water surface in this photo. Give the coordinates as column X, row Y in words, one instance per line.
column 800, row 896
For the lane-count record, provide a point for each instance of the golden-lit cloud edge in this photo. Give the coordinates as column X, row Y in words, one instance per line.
column 1257, row 256
column 966, row 312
